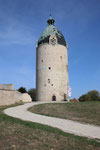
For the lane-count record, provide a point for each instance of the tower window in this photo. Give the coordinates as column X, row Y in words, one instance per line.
column 48, row 80
column 42, row 60
column 49, row 68
column 60, row 57
column 44, row 84
column 51, row 84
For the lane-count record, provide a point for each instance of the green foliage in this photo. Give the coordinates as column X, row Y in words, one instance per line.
column 90, row 96
column 83, row 98
column 93, row 95
column 32, row 93
column 22, row 90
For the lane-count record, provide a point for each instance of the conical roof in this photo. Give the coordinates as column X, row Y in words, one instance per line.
column 51, row 30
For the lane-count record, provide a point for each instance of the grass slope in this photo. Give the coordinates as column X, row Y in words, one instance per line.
column 88, row 112
column 16, row 134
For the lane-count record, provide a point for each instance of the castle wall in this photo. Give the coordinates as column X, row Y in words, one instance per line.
column 6, row 87
column 12, row 97
column 52, row 72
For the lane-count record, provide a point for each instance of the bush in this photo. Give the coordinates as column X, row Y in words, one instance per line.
column 93, row 95
column 32, row 93
column 83, row 98
column 22, row 90
column 90, row 96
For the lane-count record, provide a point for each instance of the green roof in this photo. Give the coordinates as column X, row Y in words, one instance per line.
column 50, row 30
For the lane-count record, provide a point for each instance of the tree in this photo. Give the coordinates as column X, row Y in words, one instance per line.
column 22, row 90
column 83, row 98
column 32, row 93
column 93, row 95
column 90, row 96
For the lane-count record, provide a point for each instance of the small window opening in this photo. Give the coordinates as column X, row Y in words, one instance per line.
column 42, row 60
column 53, row 98
column 48, row 80
column 44, row 84
column 60, row 57
column 49, row 68
column 51, row 84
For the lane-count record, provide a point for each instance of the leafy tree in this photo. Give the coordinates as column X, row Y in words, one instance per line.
column 32, row 93
column 90, row 96
column 22, row 90
column 83, row 98
column 93, row 95
column 99, row 98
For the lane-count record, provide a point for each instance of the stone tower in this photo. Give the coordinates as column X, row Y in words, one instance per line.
column 51, row 65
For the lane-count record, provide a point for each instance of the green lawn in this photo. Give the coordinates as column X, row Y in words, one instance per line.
column 86, row 112
column 16, row 134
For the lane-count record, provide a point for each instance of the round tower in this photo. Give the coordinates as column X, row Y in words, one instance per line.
column 51, row 65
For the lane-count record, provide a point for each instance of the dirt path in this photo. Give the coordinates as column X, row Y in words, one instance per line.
column 69, row 126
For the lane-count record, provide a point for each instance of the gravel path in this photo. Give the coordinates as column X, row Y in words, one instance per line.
column 69, row 126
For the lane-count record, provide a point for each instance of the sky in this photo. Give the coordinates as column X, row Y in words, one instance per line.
column 23, row 21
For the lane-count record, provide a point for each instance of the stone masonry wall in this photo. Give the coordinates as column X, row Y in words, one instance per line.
column 12, row 97
column 52, row 72
column 6, row 87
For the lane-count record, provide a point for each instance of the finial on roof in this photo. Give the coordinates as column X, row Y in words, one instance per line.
column 51, row 20
column 50, row 16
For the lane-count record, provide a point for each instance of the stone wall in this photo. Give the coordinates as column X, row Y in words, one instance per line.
column 7, row 87
column 12, row 97
column 26, row 97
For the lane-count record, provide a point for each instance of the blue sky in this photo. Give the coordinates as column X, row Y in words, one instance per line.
column 21, row 23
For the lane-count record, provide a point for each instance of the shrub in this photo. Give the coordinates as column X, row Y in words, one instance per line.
column 32, row 93
column 22, row 90
column 83, row 98
column 90, row 96
column 93, row 95
column 74, row 100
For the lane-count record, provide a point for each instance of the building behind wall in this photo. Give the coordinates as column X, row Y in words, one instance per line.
column 51, row 65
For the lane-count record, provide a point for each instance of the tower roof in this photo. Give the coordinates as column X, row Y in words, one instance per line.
column 51, row 30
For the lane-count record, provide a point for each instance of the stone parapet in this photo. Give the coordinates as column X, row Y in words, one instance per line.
column 9, row 87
